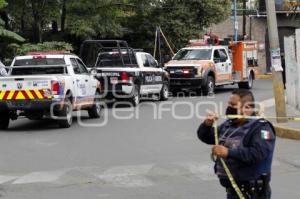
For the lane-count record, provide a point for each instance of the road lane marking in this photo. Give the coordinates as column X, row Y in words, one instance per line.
column 127, row 176
column 132, row 176
column 267, row 103
column 39, row 177
column 4, row 179
column 201, row 170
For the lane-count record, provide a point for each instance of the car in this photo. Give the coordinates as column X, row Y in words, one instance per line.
column 126, row 73
column 51, row 85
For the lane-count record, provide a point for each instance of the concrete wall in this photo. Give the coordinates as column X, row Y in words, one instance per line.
column 257, row 29
column 292, row 60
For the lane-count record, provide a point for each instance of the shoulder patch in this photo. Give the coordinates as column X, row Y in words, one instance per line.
column 265, row 135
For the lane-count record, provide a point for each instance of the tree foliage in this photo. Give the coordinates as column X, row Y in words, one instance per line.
column 134, row 20
column 94, row 18
column 42, row 47
column 4, row 33
column 181, row 20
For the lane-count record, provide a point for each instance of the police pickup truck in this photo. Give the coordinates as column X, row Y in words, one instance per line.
column 47, row 85
column 126, row 74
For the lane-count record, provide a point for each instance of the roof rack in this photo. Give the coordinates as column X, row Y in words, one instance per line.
column 106, row 46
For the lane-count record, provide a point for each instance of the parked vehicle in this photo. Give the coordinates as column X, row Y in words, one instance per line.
column 202, row 67
column 43, row 85
column 126, row 74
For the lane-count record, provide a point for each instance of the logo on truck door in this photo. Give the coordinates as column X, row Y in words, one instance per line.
column 19, row 85
column 153, row 78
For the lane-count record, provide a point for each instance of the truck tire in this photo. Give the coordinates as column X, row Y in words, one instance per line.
column 4, row 121
column 164, row 93
column 96, row 110
column 209, row 88
column 66, row 115
column 248, row 84
column 136, row 96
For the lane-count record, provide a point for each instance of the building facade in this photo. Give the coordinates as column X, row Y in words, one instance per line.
column 288, row 18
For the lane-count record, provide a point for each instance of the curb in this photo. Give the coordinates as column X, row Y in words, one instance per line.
column 286, row 132
column 264, row 76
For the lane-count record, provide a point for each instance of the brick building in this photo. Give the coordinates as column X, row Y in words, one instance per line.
column 288, row 18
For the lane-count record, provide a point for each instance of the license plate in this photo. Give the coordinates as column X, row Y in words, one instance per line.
column 18, row 104
column 114, row 80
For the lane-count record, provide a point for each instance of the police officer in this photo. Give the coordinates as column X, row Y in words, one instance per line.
column 246, row 145
column 3, row 71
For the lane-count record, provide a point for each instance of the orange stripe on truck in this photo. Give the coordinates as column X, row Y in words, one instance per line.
column 26, row 94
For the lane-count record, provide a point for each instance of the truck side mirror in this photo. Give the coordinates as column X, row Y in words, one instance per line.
column 223, row 59
column 217, row 60
column 93, row 72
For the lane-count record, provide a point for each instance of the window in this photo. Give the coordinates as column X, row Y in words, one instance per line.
column 152, row 61
column 145, row 60
column 37, row 66
column 82, row 67
column 223, row 55
column 193, row 54
column 217, row 55
column 114, row 59
column 40, row 62
column 75, row 66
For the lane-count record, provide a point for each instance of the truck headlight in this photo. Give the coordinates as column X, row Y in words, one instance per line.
column 199, row 71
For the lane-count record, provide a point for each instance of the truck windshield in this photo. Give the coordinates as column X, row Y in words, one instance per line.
column 114, row 59
column 39, row 70
column 193, row 54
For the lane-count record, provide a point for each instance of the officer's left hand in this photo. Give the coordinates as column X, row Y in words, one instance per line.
column 220, row 151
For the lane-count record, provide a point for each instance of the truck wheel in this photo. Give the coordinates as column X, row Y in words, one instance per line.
column 136, row 97
column 164, row 93
column 4, row 121
column 248, row 84
column 66, row 115
column 96, row 110
column 209, row 88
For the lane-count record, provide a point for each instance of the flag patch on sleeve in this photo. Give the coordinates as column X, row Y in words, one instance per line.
column 266, row 135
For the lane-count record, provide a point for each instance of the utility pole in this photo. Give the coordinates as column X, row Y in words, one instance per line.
column 277, row 69
column 244, row 18
column 235, row 21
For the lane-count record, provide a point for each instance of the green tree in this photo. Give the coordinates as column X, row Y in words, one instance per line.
column 4, row 33
column 180, row 20
column 34, row 16
column 94, row 18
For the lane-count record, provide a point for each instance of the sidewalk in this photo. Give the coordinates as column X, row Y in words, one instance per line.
column 289, row 130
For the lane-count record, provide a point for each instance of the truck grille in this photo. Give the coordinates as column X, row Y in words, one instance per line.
column 182, row 72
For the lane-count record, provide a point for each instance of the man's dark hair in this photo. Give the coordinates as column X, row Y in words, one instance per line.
column 246, row 96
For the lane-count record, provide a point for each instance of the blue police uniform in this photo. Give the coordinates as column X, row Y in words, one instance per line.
column 251, row 147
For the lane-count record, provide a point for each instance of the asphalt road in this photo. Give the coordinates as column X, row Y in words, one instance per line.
column 144, row 153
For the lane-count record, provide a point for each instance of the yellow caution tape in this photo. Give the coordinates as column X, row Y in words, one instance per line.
column 227, row 170
column 289, row 118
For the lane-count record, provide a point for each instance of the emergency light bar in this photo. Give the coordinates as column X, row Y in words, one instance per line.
column 49, row 53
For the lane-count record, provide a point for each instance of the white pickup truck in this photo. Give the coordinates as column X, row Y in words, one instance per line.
column 48, row 85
